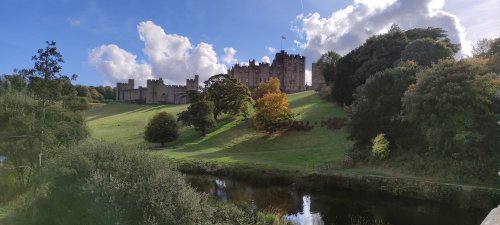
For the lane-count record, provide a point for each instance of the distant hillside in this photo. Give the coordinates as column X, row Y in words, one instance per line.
column 234, row 140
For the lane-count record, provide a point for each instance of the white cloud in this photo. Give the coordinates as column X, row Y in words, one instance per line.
column 271, row 50
column 349, row 27
column 170, row 56
column 118, row 65
column 174, row 58
column 266, row 59
column 229, row 54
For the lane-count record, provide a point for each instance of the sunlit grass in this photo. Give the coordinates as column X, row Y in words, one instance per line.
column 234, row 140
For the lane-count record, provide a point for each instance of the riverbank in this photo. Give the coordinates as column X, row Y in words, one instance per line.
column 456, row 195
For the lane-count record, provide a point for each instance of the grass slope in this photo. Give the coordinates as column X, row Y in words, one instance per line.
column 234, row 141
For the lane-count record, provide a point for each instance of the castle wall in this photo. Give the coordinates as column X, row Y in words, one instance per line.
column 157, row 92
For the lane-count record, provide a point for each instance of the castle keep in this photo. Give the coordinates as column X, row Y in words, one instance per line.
column 156, row 92
column 289, row 69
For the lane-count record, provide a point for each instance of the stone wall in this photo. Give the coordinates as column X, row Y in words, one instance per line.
column 318, row 80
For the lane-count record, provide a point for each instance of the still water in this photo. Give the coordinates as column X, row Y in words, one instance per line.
column 335, row 207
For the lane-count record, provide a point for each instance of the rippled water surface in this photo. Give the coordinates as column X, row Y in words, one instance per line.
column 335, row 207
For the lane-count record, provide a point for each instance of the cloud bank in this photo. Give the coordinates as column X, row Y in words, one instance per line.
column 170, row 56
column 349, row 27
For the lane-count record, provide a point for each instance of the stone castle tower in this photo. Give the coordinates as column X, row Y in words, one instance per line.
column 289, row 69
column 156, row 92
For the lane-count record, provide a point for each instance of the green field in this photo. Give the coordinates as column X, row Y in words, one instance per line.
column 233, row 141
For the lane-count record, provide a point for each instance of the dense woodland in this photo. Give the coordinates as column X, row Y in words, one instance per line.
column 438, row 114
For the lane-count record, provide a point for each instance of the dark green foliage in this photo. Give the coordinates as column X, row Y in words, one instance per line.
column 494, row 47
column 228, row 95
column 200, row 115
column 327, row 62
column 99, row 183
column 376, row 54
column 376, row 109
column 161, row 128
column 424, row 45
column 453, row 107
column 435, row 33
column 426, row 51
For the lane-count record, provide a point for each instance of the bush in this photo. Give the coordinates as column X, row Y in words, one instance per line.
column 102, row 183
column 300, row 126
column 161, row 128
column 380, row 147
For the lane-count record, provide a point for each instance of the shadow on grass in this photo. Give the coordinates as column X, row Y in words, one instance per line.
column 299, row 102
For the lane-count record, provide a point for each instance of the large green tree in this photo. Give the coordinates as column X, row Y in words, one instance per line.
column 228, row 95
column 200, row 115
column 376, row 54
column 161, row 128
column 376, row 109
column 453, row 107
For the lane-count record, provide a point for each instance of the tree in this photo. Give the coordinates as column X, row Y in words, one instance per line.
column 327, row 62
column 161, row 128
column 376, row 109
column 200, row 115
column 426, row 51
column 272, row 86
column 376, row 54
column 228, row 95
column 45, row 79
column 82, row 91
column 453, row 107
column 272, row 112
column 482, row 47
column 435, row 33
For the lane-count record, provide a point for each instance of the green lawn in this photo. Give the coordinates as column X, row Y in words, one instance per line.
column 234, row 141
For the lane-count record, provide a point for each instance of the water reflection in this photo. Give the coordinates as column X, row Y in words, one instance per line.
column 306, row 217
column 334, row 206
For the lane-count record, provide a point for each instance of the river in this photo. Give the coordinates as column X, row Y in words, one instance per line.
column 335, row 207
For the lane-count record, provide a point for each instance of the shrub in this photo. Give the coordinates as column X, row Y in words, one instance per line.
column 380, row 147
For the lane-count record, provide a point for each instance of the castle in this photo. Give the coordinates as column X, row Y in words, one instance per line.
column 289, row 69
column 156, row 92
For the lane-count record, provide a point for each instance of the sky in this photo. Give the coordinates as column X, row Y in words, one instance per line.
column 105, row 42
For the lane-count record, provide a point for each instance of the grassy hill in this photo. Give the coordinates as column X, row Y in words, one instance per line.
column 234, row 141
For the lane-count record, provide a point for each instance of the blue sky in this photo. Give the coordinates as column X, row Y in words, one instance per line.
column 95, row 37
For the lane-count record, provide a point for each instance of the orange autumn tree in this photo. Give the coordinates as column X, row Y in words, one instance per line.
column 273, row 86
column 272, row 111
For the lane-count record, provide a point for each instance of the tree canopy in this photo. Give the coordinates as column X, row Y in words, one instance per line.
column 228, row 95
column 161, row 128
